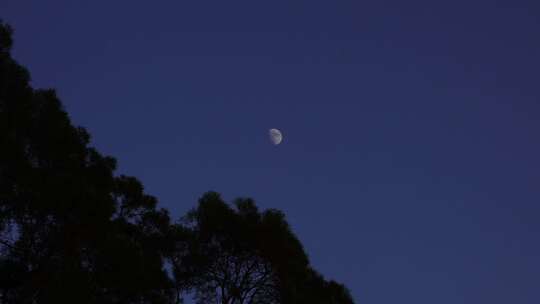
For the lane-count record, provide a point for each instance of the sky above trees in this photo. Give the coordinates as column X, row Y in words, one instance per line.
column 409, row 167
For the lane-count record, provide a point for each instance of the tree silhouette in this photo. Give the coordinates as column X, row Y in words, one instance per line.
column 71, row 231
column 225, row 251
column 241, row 255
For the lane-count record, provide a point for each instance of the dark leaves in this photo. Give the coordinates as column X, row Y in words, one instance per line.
column 71, row 231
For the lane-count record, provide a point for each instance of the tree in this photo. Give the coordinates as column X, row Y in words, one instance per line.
column 240, row 255
column 69, row 229
column 224, row 253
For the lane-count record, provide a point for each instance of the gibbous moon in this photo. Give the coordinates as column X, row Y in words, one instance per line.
column 275, row 136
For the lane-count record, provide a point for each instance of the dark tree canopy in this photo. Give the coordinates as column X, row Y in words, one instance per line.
column 71, row 231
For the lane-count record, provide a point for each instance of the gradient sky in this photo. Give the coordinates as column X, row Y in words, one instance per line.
column 410, row 163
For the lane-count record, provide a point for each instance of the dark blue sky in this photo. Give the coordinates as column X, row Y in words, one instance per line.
column 410, row 163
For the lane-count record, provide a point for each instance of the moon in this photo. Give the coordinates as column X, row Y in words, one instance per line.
column 275, row 136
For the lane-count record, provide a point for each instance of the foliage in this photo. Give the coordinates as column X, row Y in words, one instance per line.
column 71, row 231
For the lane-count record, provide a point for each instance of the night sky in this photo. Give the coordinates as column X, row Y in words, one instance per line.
column 410, row 162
